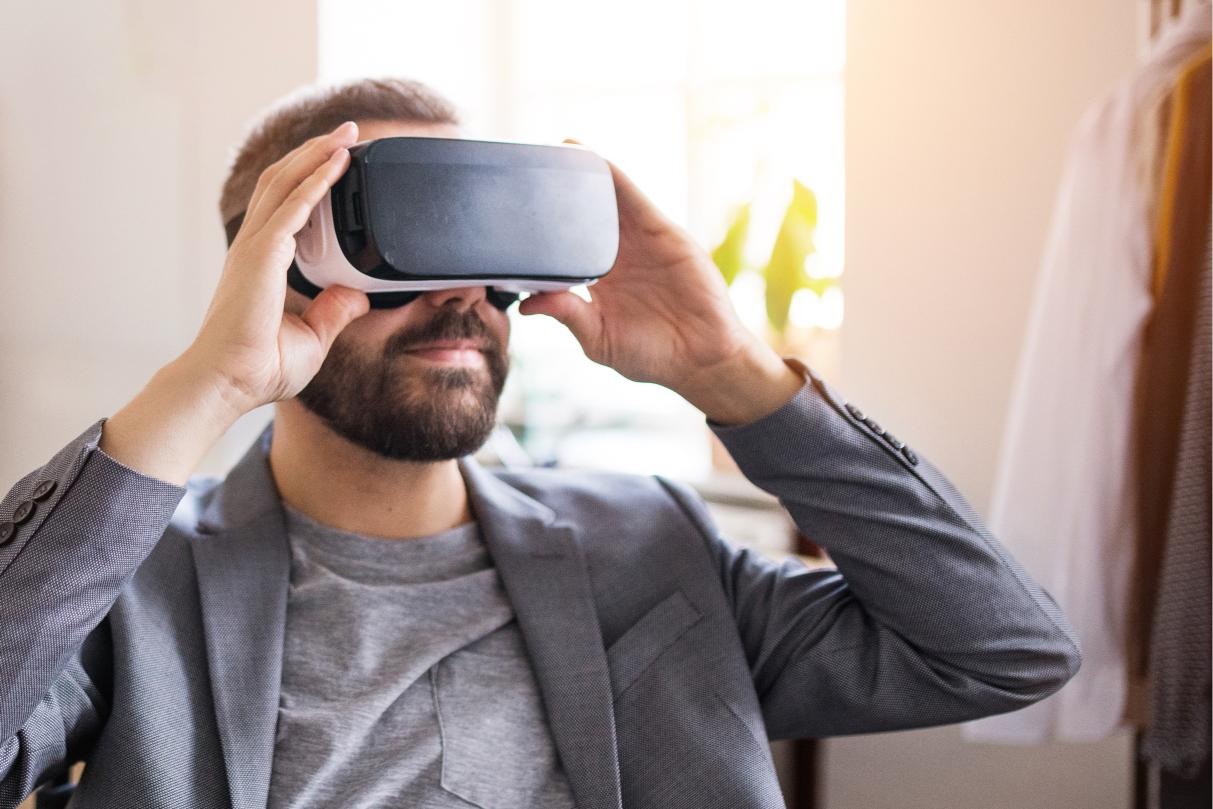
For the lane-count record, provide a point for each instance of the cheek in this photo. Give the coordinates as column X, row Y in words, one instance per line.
column 374, row 328
column 296, row 302
column 499, row 323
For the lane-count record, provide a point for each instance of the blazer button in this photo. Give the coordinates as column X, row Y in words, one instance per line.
column 910, row 456
column 8, row 530
column 23, row 511
column 894, row 441
column 44, row 489
column 855, row 411
column 874, row 427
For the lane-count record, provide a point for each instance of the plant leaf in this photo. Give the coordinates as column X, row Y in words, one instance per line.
column 728, row 254
column 784, row 271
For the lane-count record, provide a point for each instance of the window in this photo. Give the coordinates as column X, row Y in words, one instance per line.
column 705, row 105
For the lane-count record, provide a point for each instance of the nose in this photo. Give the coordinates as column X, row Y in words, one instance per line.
column 464, row 298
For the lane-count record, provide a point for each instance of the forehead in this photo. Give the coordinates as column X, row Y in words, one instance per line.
column 373, row 130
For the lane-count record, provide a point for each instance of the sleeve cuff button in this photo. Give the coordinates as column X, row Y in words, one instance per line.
column 23, row 511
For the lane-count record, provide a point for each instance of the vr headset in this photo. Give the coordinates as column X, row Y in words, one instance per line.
column 415, row 214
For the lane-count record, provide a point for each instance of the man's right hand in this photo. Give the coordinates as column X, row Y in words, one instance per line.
column 249, row 351
column 256, row 352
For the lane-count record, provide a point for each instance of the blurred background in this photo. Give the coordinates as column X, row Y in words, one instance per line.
column 925, row 142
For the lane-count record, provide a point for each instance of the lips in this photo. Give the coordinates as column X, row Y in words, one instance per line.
column 468, row 353
column 448, row 345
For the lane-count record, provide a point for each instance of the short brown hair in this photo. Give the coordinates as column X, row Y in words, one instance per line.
column 312, row 111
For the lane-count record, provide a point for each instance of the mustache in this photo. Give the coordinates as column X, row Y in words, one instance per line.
column 448, row 324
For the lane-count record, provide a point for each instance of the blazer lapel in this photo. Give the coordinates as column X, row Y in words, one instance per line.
column 542, row 567
column 243, row 567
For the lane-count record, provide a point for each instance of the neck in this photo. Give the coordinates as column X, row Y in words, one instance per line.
column 343, row 485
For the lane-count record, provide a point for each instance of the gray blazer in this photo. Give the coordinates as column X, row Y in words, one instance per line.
column 141, row 623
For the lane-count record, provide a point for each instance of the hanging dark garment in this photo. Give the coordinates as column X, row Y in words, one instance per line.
column 1163, row 374
column 1179, row 735
column 1170, row 638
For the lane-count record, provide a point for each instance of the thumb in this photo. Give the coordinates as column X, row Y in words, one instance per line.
column 332, row 310
column 579, row 315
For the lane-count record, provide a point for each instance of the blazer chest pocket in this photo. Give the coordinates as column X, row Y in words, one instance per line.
column 640, row 646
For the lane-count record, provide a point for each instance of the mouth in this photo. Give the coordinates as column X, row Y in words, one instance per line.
column 450, row 352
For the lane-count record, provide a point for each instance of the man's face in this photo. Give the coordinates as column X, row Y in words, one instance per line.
column 419, row 382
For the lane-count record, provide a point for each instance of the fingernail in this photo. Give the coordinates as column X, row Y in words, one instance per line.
column 347, row 126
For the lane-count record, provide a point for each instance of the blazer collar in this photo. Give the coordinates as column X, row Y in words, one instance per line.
column 242, row 557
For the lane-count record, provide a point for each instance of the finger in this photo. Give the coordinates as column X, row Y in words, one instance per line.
column 261, row 272
column 293, row 213
column 314, row 147
column 290, row 171
column 273, row 170
column 332, row 310
column 301, row 160
column 580, row 316
column 287, row 173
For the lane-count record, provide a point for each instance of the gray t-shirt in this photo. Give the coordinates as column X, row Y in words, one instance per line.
column 405, row 682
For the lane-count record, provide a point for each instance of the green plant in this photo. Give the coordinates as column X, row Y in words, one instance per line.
column 783, row 273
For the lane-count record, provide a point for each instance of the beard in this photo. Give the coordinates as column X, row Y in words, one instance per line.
column 411, row 413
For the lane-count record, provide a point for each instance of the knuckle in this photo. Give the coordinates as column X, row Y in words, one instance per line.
column 310, row 145
column 266, row 178
column 308, row 187
column 296, row 197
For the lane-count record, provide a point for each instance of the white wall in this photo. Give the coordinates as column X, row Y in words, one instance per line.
column 958, row 115
column 116, row 120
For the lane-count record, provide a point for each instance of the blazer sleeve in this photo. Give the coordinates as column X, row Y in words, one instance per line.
column 927, row 619
column 72, row 534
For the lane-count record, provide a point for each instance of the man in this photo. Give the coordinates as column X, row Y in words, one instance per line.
column 360, row 615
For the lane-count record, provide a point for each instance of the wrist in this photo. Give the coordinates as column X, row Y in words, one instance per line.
column 213, row 394
column 752, row 383
column 169, row 426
